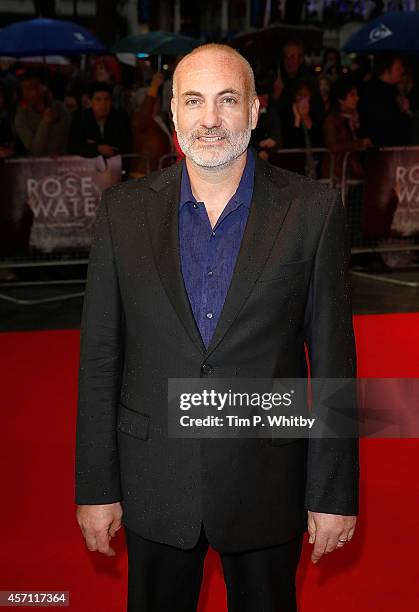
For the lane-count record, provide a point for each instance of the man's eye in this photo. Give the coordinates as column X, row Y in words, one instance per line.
column 230, row 100
column 191, row 102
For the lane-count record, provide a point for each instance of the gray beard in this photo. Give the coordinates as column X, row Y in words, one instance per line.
column 234, row 145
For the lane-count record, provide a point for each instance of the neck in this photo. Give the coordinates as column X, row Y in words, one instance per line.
column 216, row 184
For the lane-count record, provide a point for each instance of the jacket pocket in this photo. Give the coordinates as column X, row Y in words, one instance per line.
column 133, row 423
column 284, row 272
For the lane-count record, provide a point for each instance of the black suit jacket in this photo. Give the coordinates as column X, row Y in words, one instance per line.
column 85, row 135
column 289, row 287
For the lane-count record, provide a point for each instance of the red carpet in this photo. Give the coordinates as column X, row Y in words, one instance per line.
column 42, row 548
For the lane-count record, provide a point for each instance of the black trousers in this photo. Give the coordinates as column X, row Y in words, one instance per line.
column 163, row 577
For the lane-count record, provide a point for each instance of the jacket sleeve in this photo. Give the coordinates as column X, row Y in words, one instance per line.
column 336, row 139
column 97, row 463
column 80, row 134
column 332, row 463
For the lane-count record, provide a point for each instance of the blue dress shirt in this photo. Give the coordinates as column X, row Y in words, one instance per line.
column 208, row 255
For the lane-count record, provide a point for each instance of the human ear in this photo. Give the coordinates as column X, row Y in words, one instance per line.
column 254, row 110
column 173, row 109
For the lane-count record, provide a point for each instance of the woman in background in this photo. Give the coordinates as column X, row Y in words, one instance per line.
column 341, row 128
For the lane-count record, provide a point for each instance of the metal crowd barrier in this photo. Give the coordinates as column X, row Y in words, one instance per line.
column 167, row 160
column 305, row 161
column 353, row 197
column 134, row 165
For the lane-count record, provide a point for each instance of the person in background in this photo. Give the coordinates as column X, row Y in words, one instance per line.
column 361, row 69
column 267, row 136
column 10, row 81
column 385, row 115
column 138, row 87
column 292, row 69
column 72, row 101
column 78, row 79
column 294, row 66
column 166, row 92
column 7, row 139
column 100, row 129
column 409, row 88
column 107, row 69
column 325, row 84
column 151, row 136
column 294, row 72
column 304, row 132
column 341, row 130
column 76, row 95
column 58, row 79
column 41, row 123
column 331, row 63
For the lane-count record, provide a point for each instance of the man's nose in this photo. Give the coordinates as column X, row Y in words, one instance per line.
column 211, row 116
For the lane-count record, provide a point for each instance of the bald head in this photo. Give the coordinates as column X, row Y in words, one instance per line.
column 213, row 53
column 214, row 105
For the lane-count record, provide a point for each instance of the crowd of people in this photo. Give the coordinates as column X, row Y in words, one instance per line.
column 110, row 108
column 62, row 110
column 342, row 109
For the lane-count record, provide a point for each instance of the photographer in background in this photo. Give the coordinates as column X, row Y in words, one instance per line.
column 41, row 123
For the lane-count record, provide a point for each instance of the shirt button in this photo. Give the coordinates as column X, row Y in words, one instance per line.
column 195, row 205
column 210, row 272
column 212, row 233
column 209, row 315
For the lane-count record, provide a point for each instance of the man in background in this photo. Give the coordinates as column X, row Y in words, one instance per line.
column 41, row 123
column 100, row 129
column 385, row 116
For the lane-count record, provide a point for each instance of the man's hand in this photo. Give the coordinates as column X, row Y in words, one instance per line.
column 99, row 523
column 278, row 88
column 268, row 143
column 366, row 143
column 404, row 105
column 326, row 530
column 106, row 150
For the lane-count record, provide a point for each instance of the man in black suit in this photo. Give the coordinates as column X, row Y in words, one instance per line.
column 100, row 129
column 220, row 266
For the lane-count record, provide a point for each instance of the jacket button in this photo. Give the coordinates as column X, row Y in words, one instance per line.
column 207, row 369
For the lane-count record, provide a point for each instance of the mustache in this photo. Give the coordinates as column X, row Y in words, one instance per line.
column 210, row 132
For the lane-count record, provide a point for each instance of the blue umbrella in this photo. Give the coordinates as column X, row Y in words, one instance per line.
column 47, row 37
column 393, row 31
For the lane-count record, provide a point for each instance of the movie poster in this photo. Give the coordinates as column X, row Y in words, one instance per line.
column 391, row 197
column 51, row 203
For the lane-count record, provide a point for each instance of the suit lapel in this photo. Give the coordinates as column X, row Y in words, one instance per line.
column 270, row 203
column 162, row 211
column 272, row 196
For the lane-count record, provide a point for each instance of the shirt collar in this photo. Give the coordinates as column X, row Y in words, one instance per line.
column 244, row 190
